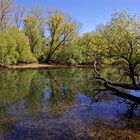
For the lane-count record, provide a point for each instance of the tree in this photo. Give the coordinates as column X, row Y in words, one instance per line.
column 38, row 12
column 31, row 31
column 93, row 47
column 87, row 42
column 122, row 36
column 7, row 49
column 18, row 15
column 71, row 54
column 61, row 32
column 6, row 7
column 22, row 46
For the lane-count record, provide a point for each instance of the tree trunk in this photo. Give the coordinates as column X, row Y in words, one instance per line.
column 123, row 94
column 132, row 75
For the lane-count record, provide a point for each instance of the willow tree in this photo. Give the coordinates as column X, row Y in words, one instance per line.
column 122, row 35
column 61, row 32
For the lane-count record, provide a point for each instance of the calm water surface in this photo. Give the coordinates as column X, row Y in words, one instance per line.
column 58, row 104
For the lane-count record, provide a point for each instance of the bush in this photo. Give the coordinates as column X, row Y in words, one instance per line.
column 71, row 62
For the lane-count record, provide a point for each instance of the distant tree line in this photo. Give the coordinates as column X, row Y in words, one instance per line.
column 31, row 35
column 52, row 36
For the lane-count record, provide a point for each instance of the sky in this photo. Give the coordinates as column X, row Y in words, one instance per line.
column 90, row 13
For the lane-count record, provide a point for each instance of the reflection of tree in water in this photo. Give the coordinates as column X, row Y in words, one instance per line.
column 126, row 109
column 14, row 87
column 55, row 92
column 63, row 94
column 25, row 89
column 60, row 87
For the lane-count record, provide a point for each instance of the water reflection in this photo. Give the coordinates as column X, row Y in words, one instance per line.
column 59, row 104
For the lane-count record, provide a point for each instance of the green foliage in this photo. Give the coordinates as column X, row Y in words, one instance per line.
column 93, row 47
column 35, row 39
column 71, row 61
column 7, row 49
column 70, row 55
column 122, row 36
column 117, row 43
column 14, row 48
column 61, row 33
column 23, row 48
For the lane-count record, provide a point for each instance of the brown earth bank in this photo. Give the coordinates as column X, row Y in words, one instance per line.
column 37, row 66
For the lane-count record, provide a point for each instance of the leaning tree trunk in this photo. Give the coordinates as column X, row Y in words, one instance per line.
column 132, row 75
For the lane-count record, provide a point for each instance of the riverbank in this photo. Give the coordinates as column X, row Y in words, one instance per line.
column 37, row 66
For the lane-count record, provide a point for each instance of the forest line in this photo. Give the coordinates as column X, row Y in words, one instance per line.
column 36, row 36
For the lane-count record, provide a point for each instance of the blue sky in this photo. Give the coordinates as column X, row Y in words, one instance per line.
column 89, row 12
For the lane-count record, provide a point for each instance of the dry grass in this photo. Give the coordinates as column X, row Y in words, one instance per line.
column 106, row 133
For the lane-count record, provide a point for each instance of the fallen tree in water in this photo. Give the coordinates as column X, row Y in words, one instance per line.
column 117, row 88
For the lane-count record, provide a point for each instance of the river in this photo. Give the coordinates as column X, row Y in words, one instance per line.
column 63, row 104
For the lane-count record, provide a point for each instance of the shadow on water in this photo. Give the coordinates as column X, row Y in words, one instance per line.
column 61, row 104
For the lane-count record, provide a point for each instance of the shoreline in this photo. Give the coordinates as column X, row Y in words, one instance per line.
column 41, row 66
